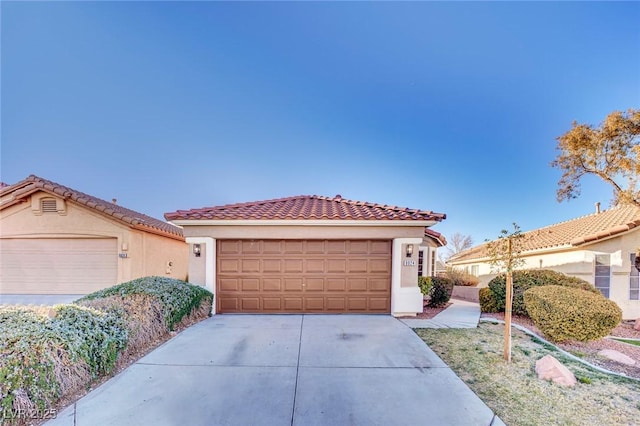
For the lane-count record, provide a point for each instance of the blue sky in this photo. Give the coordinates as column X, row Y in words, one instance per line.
column 451, row 107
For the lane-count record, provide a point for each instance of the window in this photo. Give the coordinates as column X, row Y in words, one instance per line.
column 603, row 273
column 433, row 263
column 48, row 205
column 474, row 270
column 634, row 279
column 420, row 262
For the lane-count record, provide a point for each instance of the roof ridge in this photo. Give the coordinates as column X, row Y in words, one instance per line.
column 116, row 211
column 581, row 230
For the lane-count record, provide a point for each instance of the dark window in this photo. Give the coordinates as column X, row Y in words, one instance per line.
column 420, row 262
column 603, row 273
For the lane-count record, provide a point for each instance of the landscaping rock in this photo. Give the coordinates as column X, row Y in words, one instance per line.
column 617, row 356
column 549, row 368
column 637, row 325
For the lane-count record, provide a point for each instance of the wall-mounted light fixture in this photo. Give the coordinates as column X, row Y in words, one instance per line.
column 197, row 250
column 637, row 261
column 409, row 250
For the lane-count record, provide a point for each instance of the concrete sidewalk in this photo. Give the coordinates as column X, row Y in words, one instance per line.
column 285, row 370
column 461, row 314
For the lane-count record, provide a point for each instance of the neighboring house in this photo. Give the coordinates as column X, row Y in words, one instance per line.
column 600, row 248
column 308, row 254
column 56, row 240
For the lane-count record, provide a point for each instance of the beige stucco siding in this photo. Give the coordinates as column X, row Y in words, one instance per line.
column 265, row 232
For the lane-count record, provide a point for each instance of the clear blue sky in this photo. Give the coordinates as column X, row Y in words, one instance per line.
column 451, row 107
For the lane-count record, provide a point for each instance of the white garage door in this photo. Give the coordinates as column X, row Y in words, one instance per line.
column 57, row 266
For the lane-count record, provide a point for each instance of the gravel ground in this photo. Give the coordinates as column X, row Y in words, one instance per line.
column 589, row 350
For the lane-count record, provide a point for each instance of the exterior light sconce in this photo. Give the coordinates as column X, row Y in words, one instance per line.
column 409, row 250
column 197, row 250
column 637, row 261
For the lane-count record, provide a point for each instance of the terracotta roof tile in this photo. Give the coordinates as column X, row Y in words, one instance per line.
column 572, row 233
column 305, row 207
column 132, row 218
column 436, row 236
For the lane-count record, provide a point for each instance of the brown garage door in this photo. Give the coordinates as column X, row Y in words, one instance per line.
column 294, row 276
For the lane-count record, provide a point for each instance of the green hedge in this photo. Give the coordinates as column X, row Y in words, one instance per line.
column 440, row 292
column 36, row 352
column 48, row 353
column 564, row 313
column 526, row 279
column 178, row 298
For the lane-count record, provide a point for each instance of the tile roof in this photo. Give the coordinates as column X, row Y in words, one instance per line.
column 572, row 233
column 306, row 207
column 440, row 239
column 15, row 193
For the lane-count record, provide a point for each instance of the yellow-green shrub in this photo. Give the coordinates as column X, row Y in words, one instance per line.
column 564, row 313
column 487, row 303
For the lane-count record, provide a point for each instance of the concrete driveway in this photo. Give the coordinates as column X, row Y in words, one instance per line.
column 285, row 370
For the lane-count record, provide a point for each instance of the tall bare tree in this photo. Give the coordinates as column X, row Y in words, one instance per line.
column 610, row 151
column 455, row 244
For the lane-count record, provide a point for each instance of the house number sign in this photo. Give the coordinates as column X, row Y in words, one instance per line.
column 409, row 263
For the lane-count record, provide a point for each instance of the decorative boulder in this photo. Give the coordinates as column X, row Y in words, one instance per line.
column 637, row 325
column 617, row 356
column 549, row 368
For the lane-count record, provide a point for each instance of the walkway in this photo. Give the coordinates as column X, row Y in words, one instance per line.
column 461, row 314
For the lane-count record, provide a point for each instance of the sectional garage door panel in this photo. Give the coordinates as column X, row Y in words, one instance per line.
column 57, row 265
column 295, row 276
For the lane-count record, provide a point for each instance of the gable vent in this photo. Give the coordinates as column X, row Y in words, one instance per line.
column 48, row 205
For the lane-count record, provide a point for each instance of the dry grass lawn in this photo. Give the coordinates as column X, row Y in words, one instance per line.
column 514, row 392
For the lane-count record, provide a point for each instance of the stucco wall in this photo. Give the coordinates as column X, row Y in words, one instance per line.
column 301, row 232
column 147, row 253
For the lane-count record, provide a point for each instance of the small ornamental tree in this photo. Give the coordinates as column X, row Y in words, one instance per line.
column 504, row 257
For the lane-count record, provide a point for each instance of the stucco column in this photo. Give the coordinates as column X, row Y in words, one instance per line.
column 210, row 262
column 406, row 298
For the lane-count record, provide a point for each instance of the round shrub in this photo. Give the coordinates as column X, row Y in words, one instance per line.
column 564, row 313
column 526, row 279
column 440, row 293
column 487, row 304
column 425, row 285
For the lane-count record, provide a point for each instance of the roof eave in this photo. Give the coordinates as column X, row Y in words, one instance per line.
column 300, row 222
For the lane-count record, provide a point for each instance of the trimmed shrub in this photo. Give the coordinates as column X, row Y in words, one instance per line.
column 177, row 298
column 48, row 353
column 487, row 303
column 142, row 314
column 526, row 279
column 461, row 278
column 564, row 313
column 425, row 285
column 96, row 337
column 43, row 358
column 440, row 292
